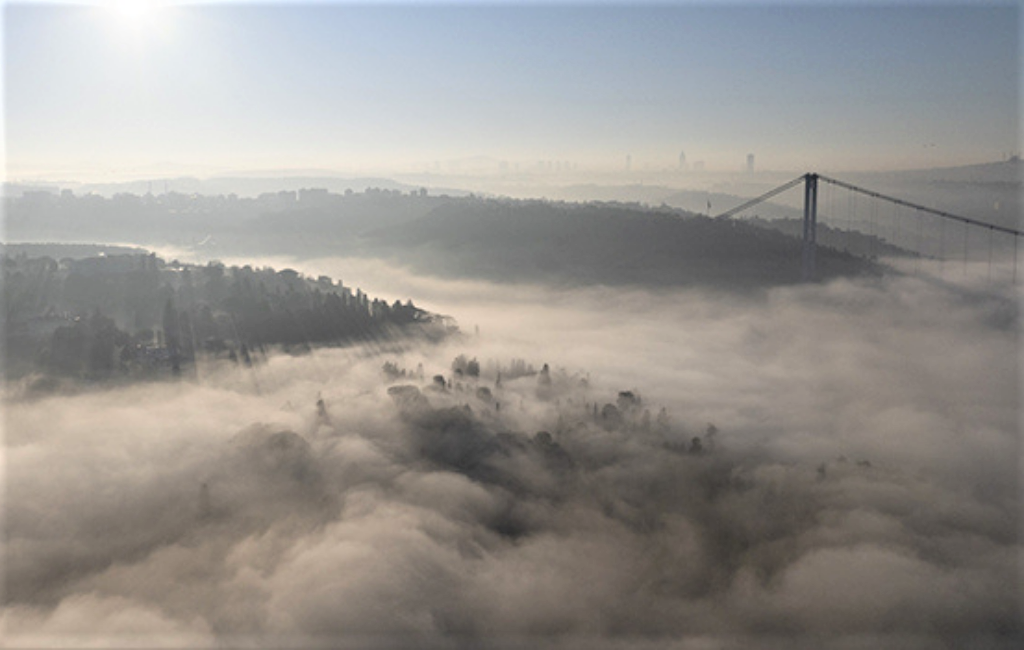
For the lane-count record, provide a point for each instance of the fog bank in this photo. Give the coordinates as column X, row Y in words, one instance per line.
column 854, row 480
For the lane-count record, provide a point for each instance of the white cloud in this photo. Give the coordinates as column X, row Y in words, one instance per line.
column 229, row 511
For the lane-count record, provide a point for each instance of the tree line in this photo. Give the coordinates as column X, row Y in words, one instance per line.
column 100, row 316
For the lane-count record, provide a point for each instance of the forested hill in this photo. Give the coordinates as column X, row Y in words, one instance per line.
column 466, row 237
column 119, row 315
column 602, row 243
column 310, row 222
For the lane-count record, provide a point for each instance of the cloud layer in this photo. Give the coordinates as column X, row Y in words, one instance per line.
column 860, row 489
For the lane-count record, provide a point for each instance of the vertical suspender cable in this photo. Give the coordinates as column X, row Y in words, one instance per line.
column 921, row 245
column 920, row 241
column 899, row 226
column 851, row 206
column 826, row 219
column 965, row 249
column 990, row 255
column 942, row 246
column 1015, row 238
column 824, row 212
column 871, row 228
column 895, row 225
column 830, row 223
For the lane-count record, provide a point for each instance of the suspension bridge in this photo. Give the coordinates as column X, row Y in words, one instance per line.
column 907, row 235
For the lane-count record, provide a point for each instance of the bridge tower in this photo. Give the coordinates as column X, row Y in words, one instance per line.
column 809, row 272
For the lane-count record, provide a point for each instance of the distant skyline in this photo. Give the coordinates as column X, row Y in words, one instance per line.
column 91, row 92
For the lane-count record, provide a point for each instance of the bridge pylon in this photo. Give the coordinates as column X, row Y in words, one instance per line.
column 809, row 270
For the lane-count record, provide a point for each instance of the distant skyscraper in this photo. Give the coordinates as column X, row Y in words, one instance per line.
column 629, row 162
column 750, row 163
column 682, row 160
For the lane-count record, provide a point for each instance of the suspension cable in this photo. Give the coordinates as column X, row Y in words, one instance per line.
column 764, row 197
column 941, row 213
column 875, row 229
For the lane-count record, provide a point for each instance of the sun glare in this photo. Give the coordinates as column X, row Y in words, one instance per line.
column 139, row 23
column 134, row 15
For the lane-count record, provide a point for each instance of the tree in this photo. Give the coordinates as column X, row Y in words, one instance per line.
column 662, row 420
column 544, row 378
column 712, row 431
column 103, row 337
column 172, row 329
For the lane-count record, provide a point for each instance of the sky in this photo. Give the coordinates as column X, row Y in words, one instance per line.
column 93, row 91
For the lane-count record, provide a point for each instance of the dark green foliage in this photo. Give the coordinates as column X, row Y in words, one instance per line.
column 603, row 243
column 496, row 239
column 90, row 347
column 96, row 317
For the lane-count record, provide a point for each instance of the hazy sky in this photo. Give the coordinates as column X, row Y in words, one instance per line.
column 222, row 86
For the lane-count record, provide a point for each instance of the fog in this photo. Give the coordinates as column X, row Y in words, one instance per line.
column 854, row 482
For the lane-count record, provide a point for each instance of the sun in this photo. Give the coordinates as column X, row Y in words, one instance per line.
column 133, row 15
column 139, row 23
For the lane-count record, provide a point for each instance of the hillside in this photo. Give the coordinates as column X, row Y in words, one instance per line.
column 466, row 237
column 102, row 318
column 536, row 241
